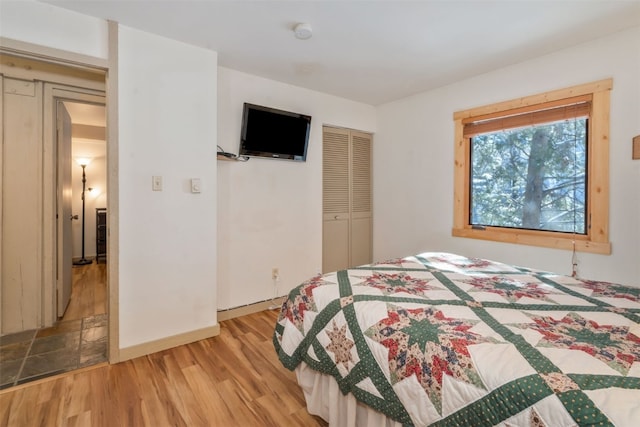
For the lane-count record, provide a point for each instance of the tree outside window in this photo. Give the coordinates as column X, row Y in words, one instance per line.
column 532, row 177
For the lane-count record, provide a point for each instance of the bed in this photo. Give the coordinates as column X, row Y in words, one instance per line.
column 438, row 339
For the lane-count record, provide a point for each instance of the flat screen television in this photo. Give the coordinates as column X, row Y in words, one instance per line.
column 274, row 134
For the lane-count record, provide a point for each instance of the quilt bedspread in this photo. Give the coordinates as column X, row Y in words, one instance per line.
column 444, row 340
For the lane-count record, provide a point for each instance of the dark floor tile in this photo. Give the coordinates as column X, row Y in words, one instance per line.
column 92, row 347
column 17, row 337
column 94, row 321
column 98, row 334
column 60, row 328
column 14, row 351
column 93, row 353
column 50, row 363
column 70, row 342
column 9, row 372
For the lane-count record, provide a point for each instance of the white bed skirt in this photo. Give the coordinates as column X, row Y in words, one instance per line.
column 324, row 399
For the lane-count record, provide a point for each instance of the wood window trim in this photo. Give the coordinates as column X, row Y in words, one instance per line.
column 597, row 238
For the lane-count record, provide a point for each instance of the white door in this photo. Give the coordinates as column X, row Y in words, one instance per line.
column 64, row 195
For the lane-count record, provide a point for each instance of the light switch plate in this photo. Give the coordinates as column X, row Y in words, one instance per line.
column 195, row 185
column 156, row 183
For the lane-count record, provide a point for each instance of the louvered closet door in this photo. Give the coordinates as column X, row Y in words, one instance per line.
column 335, row 199
column 361, row 206
column 347, row 207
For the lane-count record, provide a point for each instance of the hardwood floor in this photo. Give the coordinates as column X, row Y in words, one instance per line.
column 88, row 291
column 234, row 379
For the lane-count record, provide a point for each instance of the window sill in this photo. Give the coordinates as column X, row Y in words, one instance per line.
column 535, row 238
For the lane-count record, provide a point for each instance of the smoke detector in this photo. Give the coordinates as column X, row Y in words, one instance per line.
column 303, row 31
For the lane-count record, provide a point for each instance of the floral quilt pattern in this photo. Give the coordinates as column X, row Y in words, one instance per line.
column 509, row 288
column 296, row 305
column 429, row 345
column 614, row 345
column 612, row 290
column 390, row 283
column 439, row 339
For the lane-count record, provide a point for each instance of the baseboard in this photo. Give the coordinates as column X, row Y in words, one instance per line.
column 168, row 342
column 197, row 335
column 249, row 309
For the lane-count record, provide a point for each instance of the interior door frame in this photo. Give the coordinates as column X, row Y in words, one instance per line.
column 54, row 93
column 109, row 67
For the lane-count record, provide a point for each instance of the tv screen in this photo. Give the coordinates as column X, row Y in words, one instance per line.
column 275, row 134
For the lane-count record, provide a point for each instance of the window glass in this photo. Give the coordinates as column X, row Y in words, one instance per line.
column 532, row 177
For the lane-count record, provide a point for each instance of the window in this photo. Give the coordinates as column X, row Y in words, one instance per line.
column 535, row 170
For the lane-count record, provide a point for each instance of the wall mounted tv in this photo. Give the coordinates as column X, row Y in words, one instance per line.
column 274, row 134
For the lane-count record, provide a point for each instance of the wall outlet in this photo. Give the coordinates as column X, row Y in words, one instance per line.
column 275, row 273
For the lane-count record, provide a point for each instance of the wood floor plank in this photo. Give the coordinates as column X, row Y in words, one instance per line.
column 88, row 292
column 234, row 379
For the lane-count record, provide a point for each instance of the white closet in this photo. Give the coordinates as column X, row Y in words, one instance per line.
column 347, row 205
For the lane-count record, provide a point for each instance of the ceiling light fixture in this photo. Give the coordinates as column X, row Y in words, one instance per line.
column 303, row 31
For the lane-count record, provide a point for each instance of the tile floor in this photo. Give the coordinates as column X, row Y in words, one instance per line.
column 40, row 353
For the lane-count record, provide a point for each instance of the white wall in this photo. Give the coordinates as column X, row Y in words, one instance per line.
column 270, row 211
column 413, row 160
column 51, row 26
column 167, row 127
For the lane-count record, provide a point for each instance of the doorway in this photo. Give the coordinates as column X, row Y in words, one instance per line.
column 83, row 308
column 55, row 334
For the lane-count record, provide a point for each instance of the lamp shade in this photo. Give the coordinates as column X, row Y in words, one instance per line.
column 83, row 161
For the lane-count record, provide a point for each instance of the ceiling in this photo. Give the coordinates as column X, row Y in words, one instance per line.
column 90, row 115
column 86, row 114
column 371, row 51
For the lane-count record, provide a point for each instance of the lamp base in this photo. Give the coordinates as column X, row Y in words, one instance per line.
column 82, row 261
